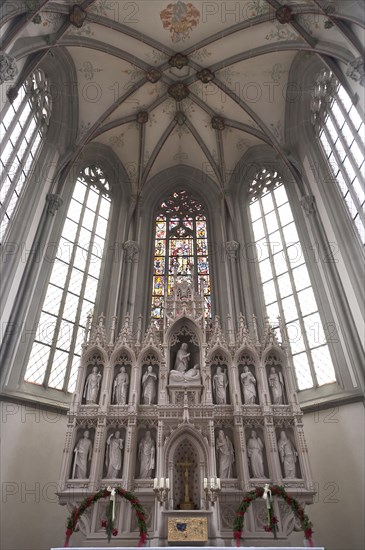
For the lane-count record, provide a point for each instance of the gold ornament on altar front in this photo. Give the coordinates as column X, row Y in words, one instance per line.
column 187, row 529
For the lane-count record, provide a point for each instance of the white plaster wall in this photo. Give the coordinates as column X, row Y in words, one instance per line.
column 32, row 442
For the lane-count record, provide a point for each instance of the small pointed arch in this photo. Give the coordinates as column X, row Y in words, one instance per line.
column 272, row 350
column 247, row 353
column 219, row 352
column 121, row 351
column 149, row 354
column 91, row 354
column 184, row 327
column 186, row 431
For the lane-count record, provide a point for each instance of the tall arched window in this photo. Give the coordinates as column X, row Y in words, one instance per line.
column 72, row 288
column 285, row 280
column 23, row 127
column 181, row 247
column 341, row 132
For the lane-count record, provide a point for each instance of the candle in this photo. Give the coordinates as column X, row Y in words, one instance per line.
column 212, row 482
column 218, row 483
column 162, row 483
column 155, row 483
column 167, row 483
column 205, row 483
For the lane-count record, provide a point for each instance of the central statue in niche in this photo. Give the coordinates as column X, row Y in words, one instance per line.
column 180, row 375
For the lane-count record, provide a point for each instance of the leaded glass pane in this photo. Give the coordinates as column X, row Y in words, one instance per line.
column 180, row 245
column 72, row 290
column 21, row 146
column 285, row 279
column 345, row 138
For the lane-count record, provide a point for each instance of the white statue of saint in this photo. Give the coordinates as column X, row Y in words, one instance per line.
column 83, row 452
column 149, row 383
column 92, row 386
column 182, row 358
column 276, row 384
column 254, row 452
column 220, row 384
column 248, row 382
column 146, row 455
column 189, row 378
column 113, row 455
column 288, row 455
column 225, row 452
column 120, row 387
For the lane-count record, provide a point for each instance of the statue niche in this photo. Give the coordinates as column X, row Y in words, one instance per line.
column 94, row 376
column 288, row 454
column 114, row 450
column 184, row 359
column 248, row 382
column 220, row 384
column 82, row 453
column 276, row 382
column 186, row 477
column 149, row 384
column 121, row 380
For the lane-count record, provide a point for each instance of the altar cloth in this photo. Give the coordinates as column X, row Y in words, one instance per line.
column 194, row 547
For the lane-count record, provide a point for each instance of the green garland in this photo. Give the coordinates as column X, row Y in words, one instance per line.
column 279, row 491
column 108, row 523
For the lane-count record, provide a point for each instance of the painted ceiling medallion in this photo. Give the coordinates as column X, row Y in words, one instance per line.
column 77, row 16
column 178, row 61
column 218, row 123
column 142, row 117
column 284, row 14
column 180, row 18
column 178, row 91
column 180, row 118
column 205, row 76
column 153, row 75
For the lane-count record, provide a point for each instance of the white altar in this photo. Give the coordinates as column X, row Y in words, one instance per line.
column 199, row 547
column 189, row 418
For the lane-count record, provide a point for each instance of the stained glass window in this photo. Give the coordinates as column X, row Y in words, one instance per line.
column 23, row 127
column 181, row 247
column 286, row 282
column 72, row 288
column 341, row 132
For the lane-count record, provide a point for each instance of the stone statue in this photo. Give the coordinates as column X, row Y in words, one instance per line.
column 113, row 455
column 92, row 386
column 182, row 358
column 248, row 382
column 83, row 452
column 149, row 383
column 189, row 378
column 276, row 383
column 146, row 455
column 220, row 384
column 120, row 387
column 288, row 455
column 225, row 452
column 254, row 451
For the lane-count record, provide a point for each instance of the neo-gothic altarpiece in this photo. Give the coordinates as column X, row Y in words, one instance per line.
column 189, row 417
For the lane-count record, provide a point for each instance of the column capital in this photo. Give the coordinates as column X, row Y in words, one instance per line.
column 8, row 68
column 308, row 204
column 54, row 202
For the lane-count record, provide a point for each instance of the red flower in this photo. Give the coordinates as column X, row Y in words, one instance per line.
column 115, row 532
column 140, row 516
column 267, row 528
column 104, row 523
column 274, row 520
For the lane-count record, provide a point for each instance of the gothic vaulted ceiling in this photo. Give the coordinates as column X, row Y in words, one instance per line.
column 178, row 82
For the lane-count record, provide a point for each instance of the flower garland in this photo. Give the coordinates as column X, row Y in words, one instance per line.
column 109, row 522
column 279, row 491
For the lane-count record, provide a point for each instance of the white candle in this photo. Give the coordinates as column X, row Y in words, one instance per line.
column 205, row 483
column 155, row 483
column 162, row 483
column 212, row 482
column 218, row 483
column 167, row 483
